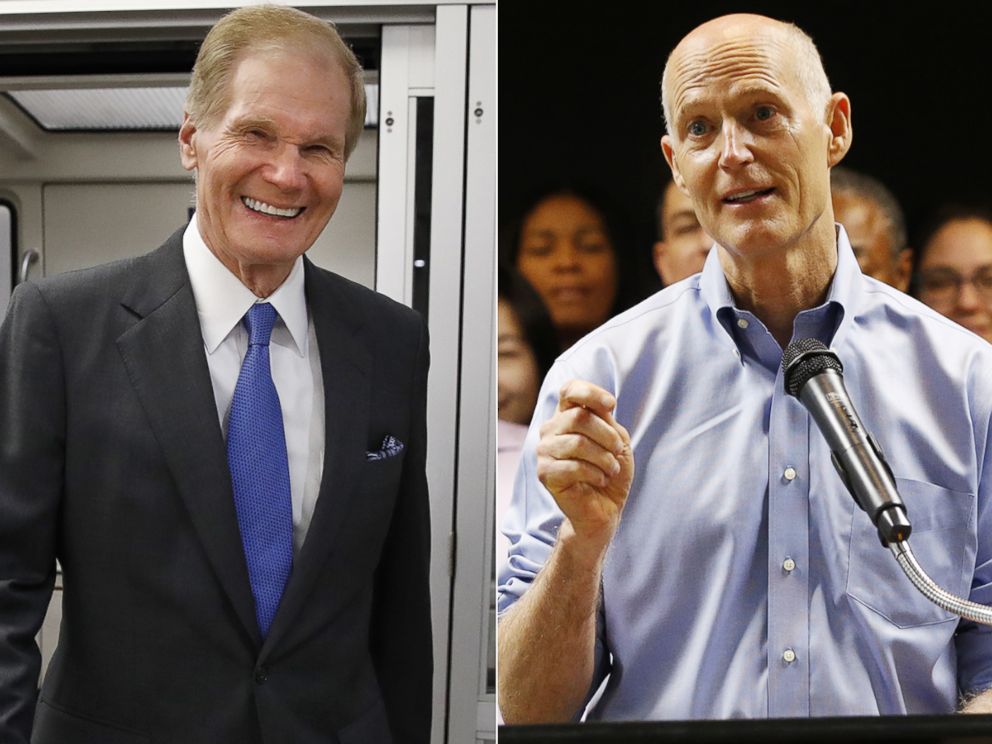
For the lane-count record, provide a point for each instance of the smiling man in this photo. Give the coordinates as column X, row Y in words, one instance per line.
column 730, row 574
column 224, row 447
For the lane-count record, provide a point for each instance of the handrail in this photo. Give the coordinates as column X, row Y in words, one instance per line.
column 30, row 257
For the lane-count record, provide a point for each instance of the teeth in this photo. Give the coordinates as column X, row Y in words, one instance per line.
column 258, row 206
column 743, row 196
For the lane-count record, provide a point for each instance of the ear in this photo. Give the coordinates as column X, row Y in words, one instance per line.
column 666, row 149
column 187, row 148
column 841, row 133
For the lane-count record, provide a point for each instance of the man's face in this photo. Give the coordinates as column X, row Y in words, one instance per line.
column 746, row 143
column 269, row 171
column 868, row 230
column 682, row 251
column 956, row 274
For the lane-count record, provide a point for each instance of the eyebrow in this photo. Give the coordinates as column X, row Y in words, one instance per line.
column 250, row 122
column 752, row 89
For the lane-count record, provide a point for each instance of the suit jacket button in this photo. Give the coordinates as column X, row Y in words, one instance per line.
column 261, row 675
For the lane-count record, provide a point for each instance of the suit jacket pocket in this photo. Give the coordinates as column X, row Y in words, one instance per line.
column 383, row 473
column 372, row 727
column 53, row 725
column 942, row 523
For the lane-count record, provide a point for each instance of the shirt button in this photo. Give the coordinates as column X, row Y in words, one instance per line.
column 261, row 675
column 742, row 323
column 789, row 565
column 789, row 656
column 790, row 474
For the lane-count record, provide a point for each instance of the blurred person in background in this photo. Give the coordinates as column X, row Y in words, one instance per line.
column 682, row 242
column 875, row 225
column 570, row 247
column 954, row 271
column 525, row 353
column 526, row 340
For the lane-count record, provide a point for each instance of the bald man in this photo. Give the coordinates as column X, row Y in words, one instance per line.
column 731, row 575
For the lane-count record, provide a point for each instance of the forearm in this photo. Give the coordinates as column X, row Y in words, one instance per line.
column 547, row 640
column 979, row 703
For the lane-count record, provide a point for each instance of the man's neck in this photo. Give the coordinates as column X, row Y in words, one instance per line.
column 777, row 287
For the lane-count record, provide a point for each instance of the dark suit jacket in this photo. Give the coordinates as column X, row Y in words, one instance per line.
column 112, row 461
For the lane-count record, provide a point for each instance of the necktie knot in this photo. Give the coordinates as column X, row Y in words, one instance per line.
column 259, row 321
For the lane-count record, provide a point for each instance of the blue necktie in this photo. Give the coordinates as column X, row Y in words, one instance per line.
column 256, row 454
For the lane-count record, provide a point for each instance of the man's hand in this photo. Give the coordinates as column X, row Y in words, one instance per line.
column 980, row 703
column 585, row 462
column 547, row 640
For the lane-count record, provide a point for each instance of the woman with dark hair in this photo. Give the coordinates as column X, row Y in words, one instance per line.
column 526, row 349
column 954, row 266
column 526, row 344
column 569, row 246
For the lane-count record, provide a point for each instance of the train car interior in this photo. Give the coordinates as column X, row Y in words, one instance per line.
column 91, row 98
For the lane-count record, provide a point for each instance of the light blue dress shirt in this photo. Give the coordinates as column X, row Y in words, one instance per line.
column 743, row 580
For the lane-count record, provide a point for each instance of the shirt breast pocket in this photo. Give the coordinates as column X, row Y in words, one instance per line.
column 942, row 521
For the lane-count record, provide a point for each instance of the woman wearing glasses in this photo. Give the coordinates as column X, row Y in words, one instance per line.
column 954, row 269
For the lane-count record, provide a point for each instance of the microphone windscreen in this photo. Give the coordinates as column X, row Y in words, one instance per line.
column 804, row 358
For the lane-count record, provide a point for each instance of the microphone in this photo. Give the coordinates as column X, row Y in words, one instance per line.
column 814, row 375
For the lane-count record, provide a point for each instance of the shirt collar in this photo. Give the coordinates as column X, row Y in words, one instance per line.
column 847, row 287
column 222, row 300
column 828, row 322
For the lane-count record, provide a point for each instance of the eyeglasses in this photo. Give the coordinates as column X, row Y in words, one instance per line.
column 942, row 286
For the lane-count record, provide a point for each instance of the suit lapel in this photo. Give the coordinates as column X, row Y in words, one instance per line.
column 165, row 361
column 344, row 361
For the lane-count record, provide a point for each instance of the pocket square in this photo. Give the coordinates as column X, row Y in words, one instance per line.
column 390, row 447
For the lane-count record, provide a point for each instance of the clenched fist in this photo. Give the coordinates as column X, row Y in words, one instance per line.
column 585, row 461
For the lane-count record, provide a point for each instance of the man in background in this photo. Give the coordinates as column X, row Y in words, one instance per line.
column 875, row 225
column 682, row 244
column 224, row 446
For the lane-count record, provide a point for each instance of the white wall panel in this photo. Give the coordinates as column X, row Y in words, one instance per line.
column 92, row 223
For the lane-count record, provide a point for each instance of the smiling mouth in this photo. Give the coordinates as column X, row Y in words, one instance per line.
column 267, row 209
column 744, row 197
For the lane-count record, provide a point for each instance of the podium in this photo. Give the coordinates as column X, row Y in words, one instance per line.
column 956, row 729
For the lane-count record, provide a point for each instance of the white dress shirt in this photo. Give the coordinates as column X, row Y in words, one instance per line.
column 221, row 303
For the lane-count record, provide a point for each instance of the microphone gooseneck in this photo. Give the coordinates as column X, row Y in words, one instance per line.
column 814, row 375
column 965, row 608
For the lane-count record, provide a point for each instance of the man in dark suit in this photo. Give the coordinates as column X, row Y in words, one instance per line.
column 224, row 446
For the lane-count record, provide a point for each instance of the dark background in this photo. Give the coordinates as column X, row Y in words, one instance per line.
column 579, row 96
